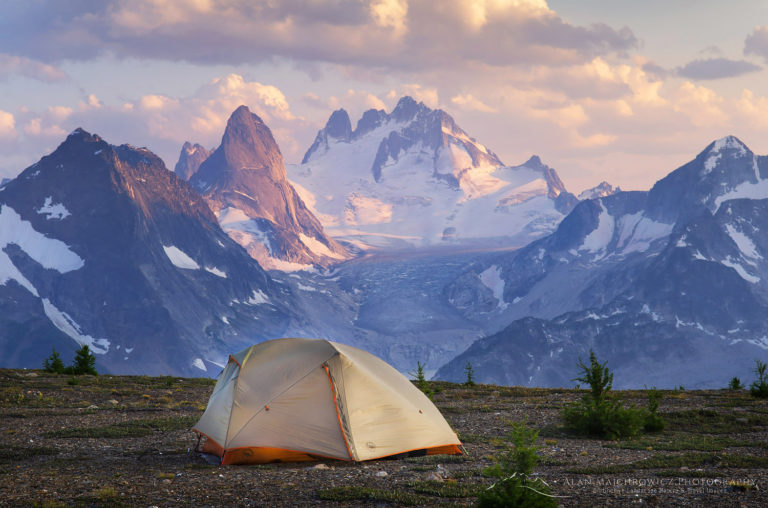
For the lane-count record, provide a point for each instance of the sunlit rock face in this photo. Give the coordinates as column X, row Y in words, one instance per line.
column 244, row 182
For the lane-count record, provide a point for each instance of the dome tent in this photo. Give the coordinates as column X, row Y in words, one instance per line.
column 304, row 399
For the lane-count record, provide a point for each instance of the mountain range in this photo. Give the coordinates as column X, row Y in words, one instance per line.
column 414, row 178
column 670, row 286
column 103, row 245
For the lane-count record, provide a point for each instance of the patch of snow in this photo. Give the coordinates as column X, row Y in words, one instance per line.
column 244, row 195
column 699, row 255
column 491, row 278
column 129, row 350
column 601, row 236
column 216, row 271
column 66, row 324
column 224, row 319
column 740, row 270
column 97, row 152
column 200, row 364
column 637, row 232
column 761, row 342
column 53, row 211
column 516, row 299
column 257, row 297
column 318, row 247
column 221, row 365
column 747, row 190
column 743, row 242
column 50, row 253
column 179, row 258
column 285, row 266
column 362, row 210
column 305, row 288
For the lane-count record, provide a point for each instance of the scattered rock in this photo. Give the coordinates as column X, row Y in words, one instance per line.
column 382, row 474
column 434, row 477
column 113, row 402
column 321, row 466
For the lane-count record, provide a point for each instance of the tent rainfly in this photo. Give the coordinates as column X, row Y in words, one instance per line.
column 289, row 400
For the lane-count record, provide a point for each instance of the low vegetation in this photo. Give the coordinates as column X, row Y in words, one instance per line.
column 602, row 413
column 514, row 485
column 126, row 440
column 83, row 363
column 759, row 387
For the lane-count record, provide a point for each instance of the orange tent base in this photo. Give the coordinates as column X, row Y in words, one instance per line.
column 265, row 455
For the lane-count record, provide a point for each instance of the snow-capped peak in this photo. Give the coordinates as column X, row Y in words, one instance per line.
column 599, row 191
column 730, row 144
column 414, row 176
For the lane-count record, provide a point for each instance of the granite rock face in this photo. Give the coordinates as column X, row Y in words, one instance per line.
column 244, row 181
column 190, row 158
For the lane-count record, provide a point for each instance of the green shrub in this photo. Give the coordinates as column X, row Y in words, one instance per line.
column 53, row 363
column 759, row 387
column 600, row 413
column 735, row 384
column 653, row 420
column 513, row 468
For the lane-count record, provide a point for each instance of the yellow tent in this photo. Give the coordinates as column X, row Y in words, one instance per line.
column 303, row 399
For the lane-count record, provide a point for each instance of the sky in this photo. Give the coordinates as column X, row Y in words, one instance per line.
column 615, row 90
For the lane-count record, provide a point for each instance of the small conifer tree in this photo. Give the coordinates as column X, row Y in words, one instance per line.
column 470, row 375
column 735, row 384
column 600, row 413
column 421, row 380
column 84, row 362
column 653, row 420
column 759, row 387
column 53, row 363
column 515, row 485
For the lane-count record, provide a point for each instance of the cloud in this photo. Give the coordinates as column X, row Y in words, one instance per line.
column 425, row 94
column 159, row 122
column 16, row 65
column 657, row 71
column 757, row 42
column 391, row 14
column 716, row 68
column 394, row 34
column 468, row 102
column 7, row 125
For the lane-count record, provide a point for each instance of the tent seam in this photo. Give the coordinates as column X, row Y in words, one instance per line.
column 338, row 415
column 234, row 394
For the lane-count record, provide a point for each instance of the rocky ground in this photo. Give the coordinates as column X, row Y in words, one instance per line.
column 125, row 441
